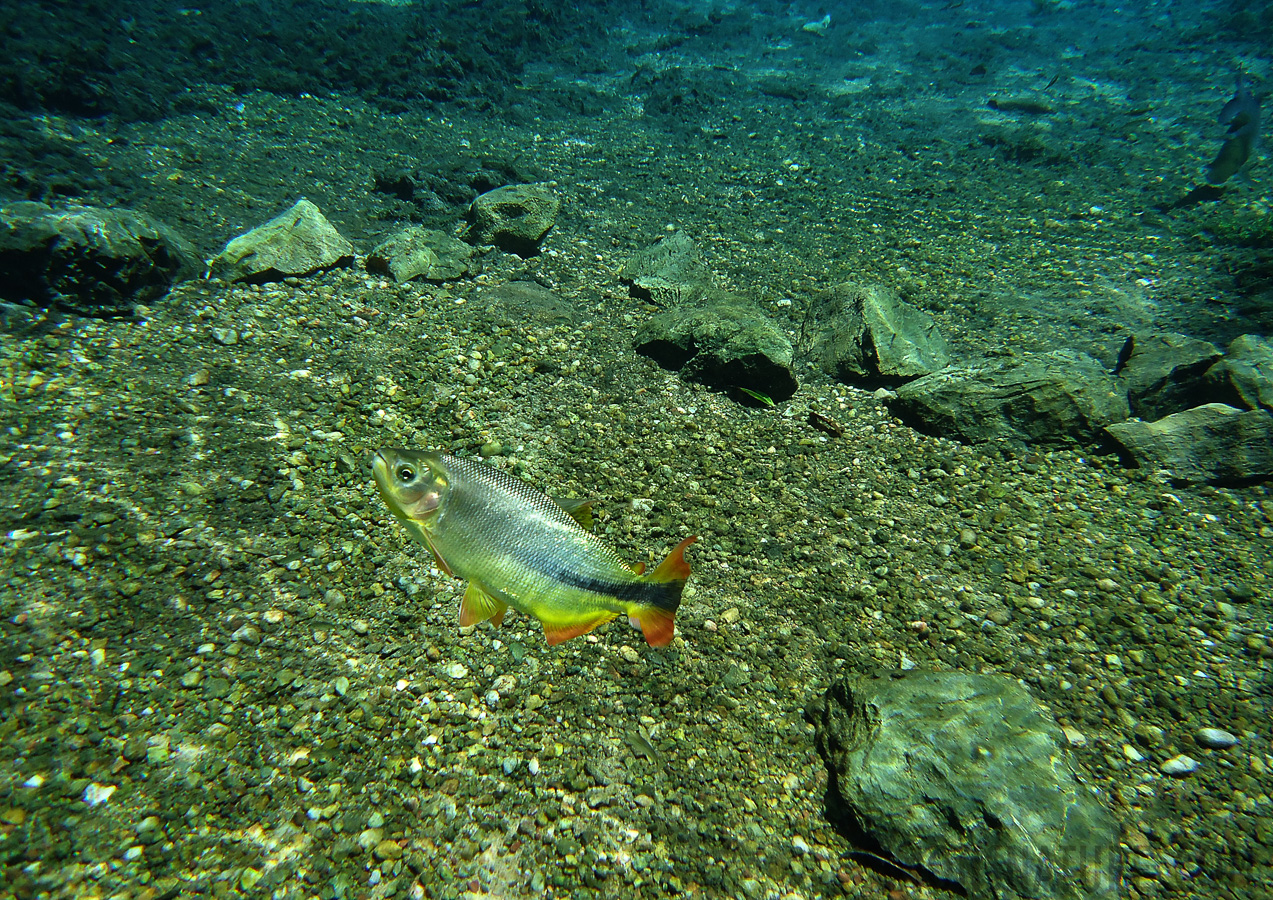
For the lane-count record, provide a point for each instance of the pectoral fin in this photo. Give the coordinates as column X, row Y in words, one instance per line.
column 478, row 606
column 423, row 537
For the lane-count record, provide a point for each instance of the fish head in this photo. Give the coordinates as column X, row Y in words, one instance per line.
column 413, row 483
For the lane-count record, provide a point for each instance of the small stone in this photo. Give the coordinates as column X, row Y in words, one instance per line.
column 731, row 616
column 629, row 654
column 388, row 849
column 1215, row 738
column 799, row 845
column 360, row 626
column 369, row 838
column 1179, row 765
column 1075, row 737
column 341, row 684
column 1108, row 585
column 227, row 337
column 247, row 634
column 249, row 878
column 967, row 538
column 96, row 794
column 456, row 670
column 1132, row 754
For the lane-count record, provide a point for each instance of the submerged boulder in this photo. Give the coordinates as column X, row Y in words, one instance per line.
column 515, row 217
column 89, row 260
column 1060, row 397
column 1164, row 372
column 965, row 779
column 867, row 333
column 669, row 272
column 299, row 241
column 1213, row 443
column 417, row 252
column 724, row 342
column 1246, row 372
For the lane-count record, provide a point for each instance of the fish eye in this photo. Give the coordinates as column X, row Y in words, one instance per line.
column 406, row 473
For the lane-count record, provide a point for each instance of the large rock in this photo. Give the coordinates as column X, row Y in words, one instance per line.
column 417, row 252
column 965, row 778
column 1164, row 373
column 1246, row 372
column 725, row 342
column 1060, row 397
column 1214, row 442
column 515, row 217
column 299, row 241
column 668, row 273
column 96, row 262
column 867, row 334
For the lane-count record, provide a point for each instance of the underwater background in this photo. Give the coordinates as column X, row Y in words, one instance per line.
column 887, row 303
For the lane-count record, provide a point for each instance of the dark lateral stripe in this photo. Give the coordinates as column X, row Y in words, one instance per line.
column 666, row 595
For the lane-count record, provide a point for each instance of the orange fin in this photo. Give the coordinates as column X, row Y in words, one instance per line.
column 558, row 633
column 674, row 567
column 658, row 625
column 478, row 606
column 579, row 510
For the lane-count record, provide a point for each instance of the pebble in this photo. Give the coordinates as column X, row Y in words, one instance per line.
column 1179, row 765
column 1215, row 738
column 457, row 670
column 1074, row 737
column 629, row 654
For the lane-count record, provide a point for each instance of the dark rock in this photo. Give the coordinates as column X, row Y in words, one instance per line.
column 96, row 262
column 1060, row 397
column 668, row 273
column 1163, row 373
column 866, row 333
column 725, row 343
column 417, row 252
column 1246, row 373
column 965, row 778
column 515, row 217
column 299, row 241
column 1212, row 443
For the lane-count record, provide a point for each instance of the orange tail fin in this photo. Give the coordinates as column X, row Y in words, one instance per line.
column 657, row 618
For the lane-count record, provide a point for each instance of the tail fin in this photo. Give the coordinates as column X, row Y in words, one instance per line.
column 657, row 616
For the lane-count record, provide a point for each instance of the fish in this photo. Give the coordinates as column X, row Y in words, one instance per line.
column 517, row 547
column 1241, row 115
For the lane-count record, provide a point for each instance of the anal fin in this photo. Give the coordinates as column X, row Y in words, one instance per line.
column 556, row 633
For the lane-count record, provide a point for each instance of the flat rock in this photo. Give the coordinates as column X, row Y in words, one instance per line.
column 1164, row 373
column 299, row 241
column 1209, row 443
column 1246, row 373
column 1060, row 397
column 866, row 334
column 515, row 217
column 669, row 272
column 725, row 342
column 965, row 778
column 92, row 261
column 417, row 252
column 520, row 300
